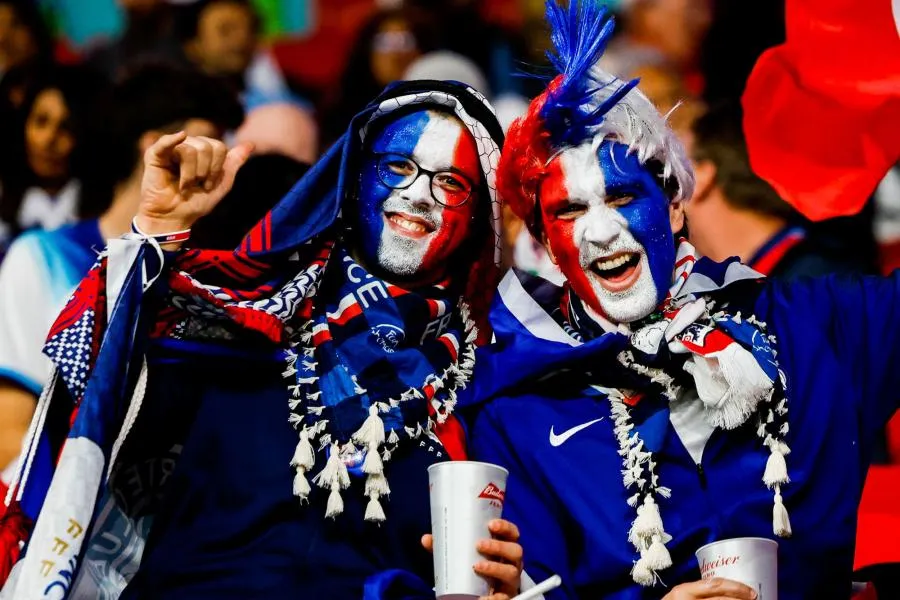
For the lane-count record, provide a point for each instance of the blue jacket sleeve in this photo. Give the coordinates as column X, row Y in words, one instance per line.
column 528, row 505
column 861, row 316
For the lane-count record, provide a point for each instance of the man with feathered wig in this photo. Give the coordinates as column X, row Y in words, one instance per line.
column 660, row 401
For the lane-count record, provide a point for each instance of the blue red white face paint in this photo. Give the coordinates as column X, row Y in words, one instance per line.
column 406, row 232
column 607, row 224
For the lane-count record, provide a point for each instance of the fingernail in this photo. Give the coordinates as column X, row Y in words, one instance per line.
column 753, row 594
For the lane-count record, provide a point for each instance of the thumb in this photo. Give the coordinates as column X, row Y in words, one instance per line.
column 427, row 542
column 236, row 158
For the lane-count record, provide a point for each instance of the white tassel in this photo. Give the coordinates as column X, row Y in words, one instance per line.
column 377, row 484
column 781, row 522
column 330, row 475
column 371, row 433
column 641, row 573
column 301, row 485
column 632, row 502
column 393, row 438
column 357, row 389
column 374, row 511
column 776, row 468
column 783, row 430
column 313, row 396
column 647, row 523
column 303, row 454
column 372, row 465
column 335, row 502
column 386, row 455
column 658, row 556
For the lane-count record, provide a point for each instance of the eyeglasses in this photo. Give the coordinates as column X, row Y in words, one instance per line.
column 398, row 172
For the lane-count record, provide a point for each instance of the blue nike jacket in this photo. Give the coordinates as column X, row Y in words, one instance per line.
column 836, row 343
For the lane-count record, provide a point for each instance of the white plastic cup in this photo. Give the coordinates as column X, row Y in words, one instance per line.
column 751, row 561
column 465, row 497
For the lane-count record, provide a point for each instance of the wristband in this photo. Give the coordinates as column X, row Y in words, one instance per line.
column 163, row 238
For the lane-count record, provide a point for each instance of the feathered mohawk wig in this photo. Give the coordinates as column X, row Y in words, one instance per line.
column 585, row 104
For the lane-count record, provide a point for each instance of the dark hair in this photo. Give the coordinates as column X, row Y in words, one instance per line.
column 719, row 138
column 151, row 97
column 357, row 85
column 29, row 14
column 259, row 185
column 80, row 88
column 187, row 18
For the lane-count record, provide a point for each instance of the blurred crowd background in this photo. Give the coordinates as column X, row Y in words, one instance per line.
column 87, row 85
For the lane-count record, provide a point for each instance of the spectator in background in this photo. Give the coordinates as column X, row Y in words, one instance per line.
column 660, row 31
column 148, row 35
column 42, row 268
column 221, row 38
column 24, row 38
column 735, row 213
column 42, row 162
column 385, row 47
column 282, row 128
column 465, row 31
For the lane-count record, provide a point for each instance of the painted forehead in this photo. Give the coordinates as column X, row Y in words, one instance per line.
column 588, row 174
column 436, row 140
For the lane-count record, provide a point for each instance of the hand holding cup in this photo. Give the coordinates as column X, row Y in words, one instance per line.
column 504, row 554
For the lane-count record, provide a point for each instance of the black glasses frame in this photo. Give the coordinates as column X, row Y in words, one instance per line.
column 415, row 177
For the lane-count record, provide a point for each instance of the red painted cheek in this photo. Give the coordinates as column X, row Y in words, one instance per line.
column 457, row 222
column 561, row 236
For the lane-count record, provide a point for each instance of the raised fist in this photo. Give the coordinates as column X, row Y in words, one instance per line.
column 184, row 178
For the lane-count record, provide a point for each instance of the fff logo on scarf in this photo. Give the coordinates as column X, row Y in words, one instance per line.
column 388, row 336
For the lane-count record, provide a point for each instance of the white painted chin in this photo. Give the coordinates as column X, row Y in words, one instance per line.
column 402, row 255
column 631, row 304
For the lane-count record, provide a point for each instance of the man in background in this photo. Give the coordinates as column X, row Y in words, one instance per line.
column 735, row 213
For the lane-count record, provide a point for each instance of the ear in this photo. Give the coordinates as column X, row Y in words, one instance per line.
column 676, row 215
column 704, row 179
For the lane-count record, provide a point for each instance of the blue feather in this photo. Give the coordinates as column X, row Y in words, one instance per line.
column 580, row 33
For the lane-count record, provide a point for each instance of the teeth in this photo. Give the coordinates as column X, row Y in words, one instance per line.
column 408, row 225
column 613, row 263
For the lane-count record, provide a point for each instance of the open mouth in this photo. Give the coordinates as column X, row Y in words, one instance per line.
column 408, row 225
column 619, row 271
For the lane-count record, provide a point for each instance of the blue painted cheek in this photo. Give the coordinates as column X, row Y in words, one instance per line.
column 647, row 214
column 372, row 194
column 648, row 222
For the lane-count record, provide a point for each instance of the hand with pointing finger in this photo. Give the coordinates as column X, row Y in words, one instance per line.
column 184, row 178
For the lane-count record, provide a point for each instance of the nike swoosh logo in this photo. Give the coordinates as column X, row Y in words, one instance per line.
column 559, row 440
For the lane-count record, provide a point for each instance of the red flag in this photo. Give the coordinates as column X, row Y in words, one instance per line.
column 822, row 111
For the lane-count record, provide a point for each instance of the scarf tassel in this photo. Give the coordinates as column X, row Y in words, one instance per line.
column 374, row 510
column 335, row 502
column 642, row 574
column 301, row 485
column 781, row 522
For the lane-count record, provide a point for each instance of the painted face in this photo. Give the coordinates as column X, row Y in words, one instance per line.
column 608, row 226
column 418, row 192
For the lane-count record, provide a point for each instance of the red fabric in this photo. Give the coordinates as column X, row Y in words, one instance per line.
column 453, row 437
column 879, row 518
column 893, row 440
column 14, row 528
column 822, row 111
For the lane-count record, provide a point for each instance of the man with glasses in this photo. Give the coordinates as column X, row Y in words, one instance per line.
column 298, row 387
